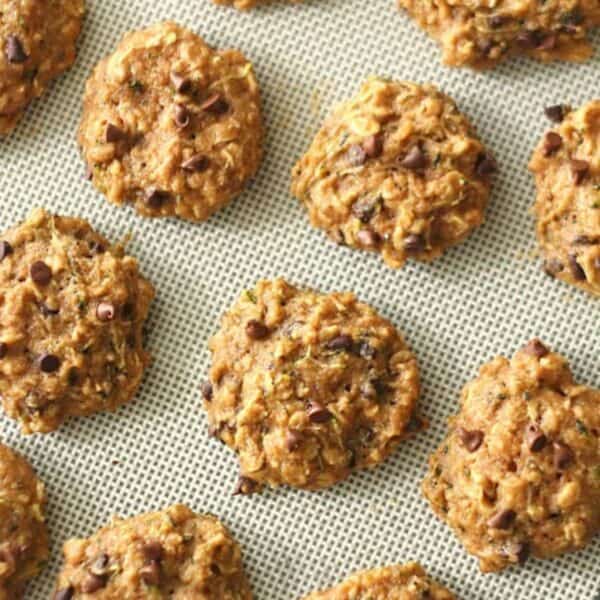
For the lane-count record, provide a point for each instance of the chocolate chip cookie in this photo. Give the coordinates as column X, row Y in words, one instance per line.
column 171, row 125
column 519, row 473
column 71, row 314
column 173, row 553
column 482, row 34
column 246, row 4
column 397, row 170
column 566, row 164
column 23, row 536
column 397, row 582
column 307, row 387
column 37, row 43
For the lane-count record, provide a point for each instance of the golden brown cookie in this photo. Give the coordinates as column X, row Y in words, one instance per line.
column 171, row 125
column 397, row 582
column 173, row 553
column 566, row 164
column 23, row 535
column 71, row 313
column 307, row 387
column 519, row 472
column 396, row 170
column 37, row 43
column 481, row 34
column 246, row 4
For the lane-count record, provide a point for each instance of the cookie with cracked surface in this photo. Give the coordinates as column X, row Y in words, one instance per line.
column 307, row 387
column 396, row 170
column 482, row 34
column 247, row 4
column 172, row 553
column 37, row 43
column 171, row 125
column 71, row 313
column 566, row 165
column 519, row 472
column 23, row 535
column 396, row 582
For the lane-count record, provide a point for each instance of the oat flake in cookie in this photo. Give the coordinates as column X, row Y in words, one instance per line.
column 71, row 313
column 23, row 536
column 519, row 473
column 397, row 170
column 307, row 387
column 171, row 125
column 173, row 553
column 566, row 165
column 37, row 43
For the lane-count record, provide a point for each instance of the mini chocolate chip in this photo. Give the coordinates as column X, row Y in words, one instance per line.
column 471, row 440
column 73, row 376
column 5, row 249
column 195, row 164
column 206, row 389
column 92, row 583
column 552, row 142
column 15, row 53
column 40, row 272
column 153, row 551
column 156, row 198
column 182, row 116
column 317, row 413
column 517, row 551
column 486, row 165
column 3, row 349
column 368, row 238
column 536, row 348
column 373, row 146
column 497, row 21
column 127, row 311
column 150, row 573
column 576, row 269
column 414, row 243
column 552, row 266
column 557, row 112
column 548, row 42
column 65, row 594
column 415, row 159
column 563, row 455
column 114, row 134
column 292, row 440
column 181, row 84
column 49, row 363
column 256, row 330
column 245, row 486
column 356, row 156
column 215, row 104
column 366, row 351
column 528, row 39
column 503, row 519
column 580, row 170
column 535, row 438
column 48, row 311
column 364, row 209
column 100, row 565
column 105, row 311
column 340, row 342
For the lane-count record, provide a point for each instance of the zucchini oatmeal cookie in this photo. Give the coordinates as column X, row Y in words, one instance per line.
column 396, row 582
column 173, row 553
column 246, row 4
column 171, row 124
column 566, row 165
column 307, row 387
column 23, row 535
column 519, row 472
column 37, row 43
column 396, row 170
column 481, row 34
column 71, row 313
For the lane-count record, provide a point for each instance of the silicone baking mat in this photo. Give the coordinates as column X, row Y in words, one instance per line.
column 485, row 297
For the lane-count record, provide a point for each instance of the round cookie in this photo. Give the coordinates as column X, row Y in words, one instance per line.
column 37, row 43
column 307, row 387
column 519, row 472
column 481, row 34
column 396, row 170
column 171, row 125
column 246, row 4
column 566, row 164
column 397, row 582
column 23, row 535
column 173, row 553
column 71, row 313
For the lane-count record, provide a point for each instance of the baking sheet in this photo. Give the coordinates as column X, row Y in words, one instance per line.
column 484, row 297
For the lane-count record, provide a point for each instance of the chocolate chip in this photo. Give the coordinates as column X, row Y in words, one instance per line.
column 535, row 438
column 127, row 311
column 215, row 104
column 340, row 342
column 256, row 330
column 364, row 209
column 497, row 21
column 536, row 348
column 563, row 455
column 92, row 583
column 49, row 363
column 517, row 551
column 206, row 389
column 317, row 413
column 48, row 311
column 181, row 84
column 3, row 349
column 368, row 238
column 586, row 240
column 114, row 134
column 552, row 266
column 503, row 519
column 528, row 39
column 15, row 53
column 100, row 565
column 373, row 146
column 580, row 170
column 293, row 440
column 557, row 112
column 245, row 486
column 105, row 311
column 5, row 249
column 356, row 156
column 471, row 440
column 150, row 573
column 414, row 243
column 548, row 42
column 65, row 594
column 182, row 116
column 486, row 165
column 195, row 164
column 153, row 551
column 156, row 198
column 40, row 272
column 485, row 46
column 552, row 142
column 576, row 269
column 73, row 376
column 415, row 159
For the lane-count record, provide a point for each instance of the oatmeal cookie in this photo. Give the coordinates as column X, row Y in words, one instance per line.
column 171, row 125
column 396, row 170
column 37, row 43
column 397, row 582
column 173, row 553
column 566, row 165
column 246, row 4
column 307, row 387
column 480, row 34
column 519, row 472
column 71, row 313
column 23, row 535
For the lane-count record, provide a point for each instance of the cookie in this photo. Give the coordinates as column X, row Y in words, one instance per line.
column 519, row 472
column 173, row 553
column 397, row 582
column 37, row 43
column 396, row 170
column 23, row 535
column 307, row 387
column 246, row 4
column 566, row 165
column 71, row 314
column 480, row 35
column 171, row 125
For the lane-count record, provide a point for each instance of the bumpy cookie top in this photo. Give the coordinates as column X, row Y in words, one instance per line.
column 71, row 315
column 246, row 4
column 23, row 536
column 396, row 170
column 519, row 472
column 566, row 165
column 37, row 43
column 480, row 34
column 171, row 124
column 173, row 553
column 306, row 387
column 397, row 582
